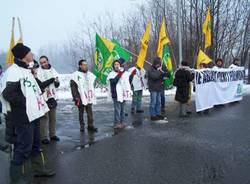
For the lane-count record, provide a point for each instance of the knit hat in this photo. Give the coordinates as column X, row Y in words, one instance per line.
column 184, row 63
column 157, row 61
column 20, row 50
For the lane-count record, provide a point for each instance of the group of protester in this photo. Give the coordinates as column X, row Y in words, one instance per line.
column 29, row 99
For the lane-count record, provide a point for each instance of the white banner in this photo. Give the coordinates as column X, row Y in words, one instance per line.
column 218, row 86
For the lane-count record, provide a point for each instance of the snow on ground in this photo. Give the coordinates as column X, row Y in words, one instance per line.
column 64, row 89
column 246, row 89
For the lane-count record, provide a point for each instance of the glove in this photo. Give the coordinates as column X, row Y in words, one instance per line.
column 133, row 72
column 78, row 102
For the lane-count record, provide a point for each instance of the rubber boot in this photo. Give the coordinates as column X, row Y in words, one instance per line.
column 38, row 167
column 19, row 174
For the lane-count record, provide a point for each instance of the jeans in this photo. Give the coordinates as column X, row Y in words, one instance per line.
column 155, row 103
column 27, row 142
column 163, row 99
column 136, row 100
column 119, row 113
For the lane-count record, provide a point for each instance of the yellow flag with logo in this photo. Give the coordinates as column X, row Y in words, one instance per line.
column 144, row 47
column 202, row 58
column 207, row 30
column 163, row 39
column 10, row 56
column 163, row 52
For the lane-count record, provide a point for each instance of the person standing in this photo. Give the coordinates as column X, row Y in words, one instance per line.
column 138, row 83
column 46, row 72
column 1, row 78
column 120, row 91
column 156, row 76
column 182, row 80
column 83, row 93
column 235, row 64
column 219, row 63
column 26, row 106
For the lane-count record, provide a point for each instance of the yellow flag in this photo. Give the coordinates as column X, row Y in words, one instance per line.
column 206, row 29
column 10, row 56
column 163, row 39
column 144, row 47
column 202, row 58
column 110, row 45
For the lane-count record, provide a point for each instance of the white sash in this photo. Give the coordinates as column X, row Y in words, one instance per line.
column 85, row 83
column 123, row 88
column 45, row 74
column 36, row 106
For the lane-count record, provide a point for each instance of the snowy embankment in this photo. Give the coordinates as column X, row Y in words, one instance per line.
column 64, row 89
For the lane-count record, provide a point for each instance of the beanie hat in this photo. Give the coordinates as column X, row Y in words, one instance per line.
column 157, row 61
column 20, row 50
column 184, row 63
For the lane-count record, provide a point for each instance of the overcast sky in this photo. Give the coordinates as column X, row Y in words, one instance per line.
column 52, row 21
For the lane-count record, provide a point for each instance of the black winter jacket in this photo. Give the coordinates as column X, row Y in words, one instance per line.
column 182, row 80
column 155, row 79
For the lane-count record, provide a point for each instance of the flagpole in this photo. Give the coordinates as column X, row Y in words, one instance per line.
column 136, row 56
column 13, row 25
column 20, row 30
column 179, row 30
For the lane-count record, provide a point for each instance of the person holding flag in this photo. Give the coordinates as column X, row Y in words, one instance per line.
column 83, row 93
column 120, row 91
column 156, row 74
column 163, row 52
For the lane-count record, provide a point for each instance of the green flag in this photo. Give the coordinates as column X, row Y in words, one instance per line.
column 106, row 53
column 102, row 59
column 166, row 59
column 164, row 53
column 119, row 52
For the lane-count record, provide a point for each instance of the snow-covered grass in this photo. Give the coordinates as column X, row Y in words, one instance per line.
column 246, row 89
column 65, row 93
column 64, row 89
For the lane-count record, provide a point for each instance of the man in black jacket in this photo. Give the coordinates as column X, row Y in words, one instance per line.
column 19, row 86
column 156, row 76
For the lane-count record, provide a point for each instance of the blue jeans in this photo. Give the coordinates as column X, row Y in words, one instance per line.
column 163, row 99
column 136, row 100
column 27, row 142
column 119, row 114
column 155, row 103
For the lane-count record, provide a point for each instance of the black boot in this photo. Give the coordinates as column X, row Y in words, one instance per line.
column 39, row 168
column 92, row 129
column 18, row 174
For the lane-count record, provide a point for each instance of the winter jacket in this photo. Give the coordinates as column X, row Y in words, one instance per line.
column 155, row 79
column 44, row 84
column 182, row 80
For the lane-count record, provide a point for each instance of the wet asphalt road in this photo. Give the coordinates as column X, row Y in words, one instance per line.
column 202, row 149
